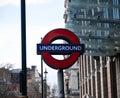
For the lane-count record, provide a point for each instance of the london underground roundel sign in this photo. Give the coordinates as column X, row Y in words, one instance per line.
column 73, row 48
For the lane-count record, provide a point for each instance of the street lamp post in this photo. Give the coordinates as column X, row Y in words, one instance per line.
column 42, row 75
column 45, row 93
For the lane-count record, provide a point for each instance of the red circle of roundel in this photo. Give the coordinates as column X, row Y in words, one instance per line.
column 60, row 34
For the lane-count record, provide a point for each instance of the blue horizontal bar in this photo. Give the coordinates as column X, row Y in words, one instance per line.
column 60, row 48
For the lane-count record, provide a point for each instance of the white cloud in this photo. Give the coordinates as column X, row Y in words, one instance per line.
column 17, row 2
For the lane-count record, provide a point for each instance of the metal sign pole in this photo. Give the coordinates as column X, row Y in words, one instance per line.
column 42, row 77
column 23, row 42
column 60, row 84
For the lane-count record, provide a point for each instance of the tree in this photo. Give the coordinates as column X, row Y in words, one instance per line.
column 4, row 78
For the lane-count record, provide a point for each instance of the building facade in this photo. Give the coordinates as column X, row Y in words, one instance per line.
column 33, row 82
column 99, row 76
column 71, row 77
column 97, row 25
column 10, row 83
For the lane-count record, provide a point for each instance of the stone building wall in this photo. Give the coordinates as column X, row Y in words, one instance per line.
column 100, row 78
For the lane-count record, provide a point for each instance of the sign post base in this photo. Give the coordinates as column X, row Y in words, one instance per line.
column 60, row 84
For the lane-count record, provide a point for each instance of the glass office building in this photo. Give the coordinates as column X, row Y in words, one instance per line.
column 96, row 23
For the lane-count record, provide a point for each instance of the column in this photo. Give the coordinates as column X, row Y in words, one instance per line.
column 104, row 81
column 84, row 75
column 93, row 88
column 112, row 86
column 97, row 79
column 117, row 62
column 85, row 69
column 81, row 76
column 88, row 75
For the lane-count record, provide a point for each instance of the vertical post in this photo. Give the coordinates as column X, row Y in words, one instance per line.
column 23, row 42
column 45, row 91
column 60, row 84
column 42, row 77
